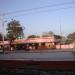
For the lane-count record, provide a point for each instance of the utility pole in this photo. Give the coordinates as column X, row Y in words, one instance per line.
column 3, row 35
column 2, row 15
column 60, row 32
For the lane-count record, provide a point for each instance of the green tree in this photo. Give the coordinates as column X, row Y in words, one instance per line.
column 14, row 30
column 1, row 36
column 63, row 39
column 70, row 37
column 33, row 36
column 47, row 34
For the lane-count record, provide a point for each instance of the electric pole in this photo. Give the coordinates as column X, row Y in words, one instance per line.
column 60, row 32
column 2, row 22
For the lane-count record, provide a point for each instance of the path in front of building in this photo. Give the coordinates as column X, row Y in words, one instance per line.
column 46, row 55
column 44, row 50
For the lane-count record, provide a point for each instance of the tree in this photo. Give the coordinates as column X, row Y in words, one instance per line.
column 6, row 38
column 70, row 37
column 14, row 30
column 63, row 39
column 33, row 36
column 51, row 33
column 1, row 36
column 47, row 34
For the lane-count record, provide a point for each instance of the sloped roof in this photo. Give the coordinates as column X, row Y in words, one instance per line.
column 33, row 40
column 36, row 40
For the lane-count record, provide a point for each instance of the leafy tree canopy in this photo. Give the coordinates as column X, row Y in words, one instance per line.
column 47, row 34
column 1, row 36
column 71, row 37
column 14, row 30
column 33, row 36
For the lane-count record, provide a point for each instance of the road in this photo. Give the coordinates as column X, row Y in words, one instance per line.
column 45, row 55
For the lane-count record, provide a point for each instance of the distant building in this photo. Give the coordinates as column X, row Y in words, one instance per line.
column 36, row 43
column 39, row 43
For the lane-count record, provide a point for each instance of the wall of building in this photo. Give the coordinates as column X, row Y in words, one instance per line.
column 68, row 46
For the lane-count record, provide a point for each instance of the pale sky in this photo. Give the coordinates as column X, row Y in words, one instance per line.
column 43, row 19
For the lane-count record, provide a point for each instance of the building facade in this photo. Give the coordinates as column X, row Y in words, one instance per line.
column 34, row 43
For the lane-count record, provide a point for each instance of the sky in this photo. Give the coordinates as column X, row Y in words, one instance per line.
column 51, row 15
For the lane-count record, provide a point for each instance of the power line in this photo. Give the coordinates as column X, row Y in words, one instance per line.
column 37, row 8
column 45, row 11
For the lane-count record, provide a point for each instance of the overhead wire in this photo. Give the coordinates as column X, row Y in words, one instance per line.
column 25, row 14
column 37, row 8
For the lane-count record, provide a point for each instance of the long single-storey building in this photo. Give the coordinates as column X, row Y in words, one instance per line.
column 51, row 42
